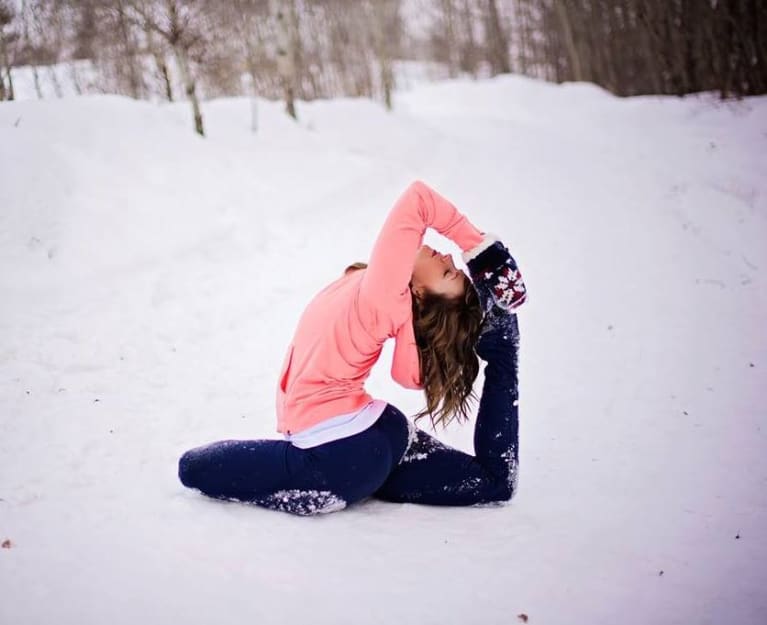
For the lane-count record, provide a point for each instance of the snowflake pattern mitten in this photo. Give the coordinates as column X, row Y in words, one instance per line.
column 496, row 276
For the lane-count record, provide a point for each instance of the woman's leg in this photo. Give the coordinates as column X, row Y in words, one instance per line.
column 277, row 475
column 433, row 473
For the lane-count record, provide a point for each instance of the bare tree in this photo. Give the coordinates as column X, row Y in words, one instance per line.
column 181, row 25
column 470, row 54
column 496, row 39
column 244, row 19
column 156, row 49
column 651, row 46
column 286, row 18
column 9, row 38
column 456, row 41
column 83, row 15
column 387, row 33
column 449, row 36
column 30, row 52
column 128, row 68
column 49, row 31
column 292, row 49
column 349, row 53
column 563, row 16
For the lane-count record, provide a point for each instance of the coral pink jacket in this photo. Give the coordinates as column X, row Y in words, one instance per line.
column 342, row 331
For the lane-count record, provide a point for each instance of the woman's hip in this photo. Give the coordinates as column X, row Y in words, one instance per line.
column 356, row 466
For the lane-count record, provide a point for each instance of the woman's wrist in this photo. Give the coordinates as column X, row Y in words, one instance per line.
column 487, row 240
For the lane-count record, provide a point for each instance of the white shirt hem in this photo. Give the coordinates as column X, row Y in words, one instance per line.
column 340, row 426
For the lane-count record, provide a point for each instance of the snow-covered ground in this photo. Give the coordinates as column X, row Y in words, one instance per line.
column 150, row 281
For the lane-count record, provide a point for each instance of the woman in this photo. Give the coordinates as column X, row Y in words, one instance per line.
column 342, row 445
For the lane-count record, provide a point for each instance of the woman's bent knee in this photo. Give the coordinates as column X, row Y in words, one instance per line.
column 504, row 491
column 186, row 470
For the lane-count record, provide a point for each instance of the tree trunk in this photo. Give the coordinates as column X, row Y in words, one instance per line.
column 136, row 84
column 611, row 34
column 497, row 40
column 26, row 17
column 285, row 61
column 75, row 77
column 6, row 91
column 387, row 82
column 759, row 43
column 652, row 67
column 651, row 19
column 55, row 82
column 567, row 34
column 162, row 67
column 524, row 39
column 11, row 93
column 160, row 63
column 190, row 87
column 469, row 46
column 759, row 25
column 449, row 37
column 36, row 81
column 297, row 50
column 384, row 23
column 552, row 50
column 593, row 32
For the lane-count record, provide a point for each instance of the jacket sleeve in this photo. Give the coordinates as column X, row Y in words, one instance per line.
column 405, row 366
column 384, row 291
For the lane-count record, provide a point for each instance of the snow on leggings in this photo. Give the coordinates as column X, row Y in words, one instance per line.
column 392, row 460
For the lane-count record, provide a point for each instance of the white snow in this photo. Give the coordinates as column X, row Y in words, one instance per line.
column 150, row 281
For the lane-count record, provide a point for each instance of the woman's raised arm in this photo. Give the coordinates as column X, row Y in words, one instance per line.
column 385, row 286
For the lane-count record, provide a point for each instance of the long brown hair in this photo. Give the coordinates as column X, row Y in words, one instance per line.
column 446, row 331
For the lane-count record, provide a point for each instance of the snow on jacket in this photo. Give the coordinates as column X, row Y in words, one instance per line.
column 343, row 328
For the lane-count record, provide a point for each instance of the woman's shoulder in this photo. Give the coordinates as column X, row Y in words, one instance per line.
column 383, row 318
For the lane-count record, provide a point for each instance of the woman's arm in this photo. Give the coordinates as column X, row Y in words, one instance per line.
column 385, row 286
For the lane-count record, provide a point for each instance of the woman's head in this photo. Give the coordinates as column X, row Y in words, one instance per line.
column 436, row 273
column 446, row 320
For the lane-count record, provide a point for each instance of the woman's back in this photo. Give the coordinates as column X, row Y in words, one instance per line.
column 328, row 360
column 341, row 332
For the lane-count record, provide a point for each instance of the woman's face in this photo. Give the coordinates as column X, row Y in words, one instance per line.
column 436, row 273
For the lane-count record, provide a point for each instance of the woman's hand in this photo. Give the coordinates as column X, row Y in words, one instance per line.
column 496, row 276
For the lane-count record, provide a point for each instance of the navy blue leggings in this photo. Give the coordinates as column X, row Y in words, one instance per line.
column 392, row 460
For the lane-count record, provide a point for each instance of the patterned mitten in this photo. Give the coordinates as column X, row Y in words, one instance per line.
column 495, row 275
